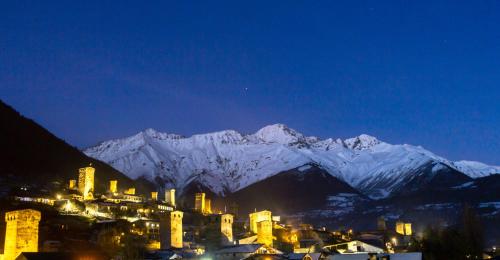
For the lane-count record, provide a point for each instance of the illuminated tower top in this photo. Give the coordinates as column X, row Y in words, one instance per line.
column 154, row 195
column 258, row 217
column 130, row 191
column 86, row 182
column 21, row 234
column 199, row 202
column 113, row 186
column 265, row 232
column 170, row 197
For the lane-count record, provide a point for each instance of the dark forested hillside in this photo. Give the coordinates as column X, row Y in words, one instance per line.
column 32, row 155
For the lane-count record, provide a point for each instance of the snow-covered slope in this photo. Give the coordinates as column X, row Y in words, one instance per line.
column 475, row 169
column 228, row 161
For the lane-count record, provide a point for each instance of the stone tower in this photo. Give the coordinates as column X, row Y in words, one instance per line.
column 408, row 229
column 170, row 197
column 220, row 228
column 130, row 191
column 154, row 195
column 257, row 217
column 199, row 202
column 171, row 230
column 400, row 227
column 86, row 182
column 208, row 206
column 113, row 186
column 72, row 184
column 403, row 228
column 21, row 233
column 226, row 228
column 265, row 232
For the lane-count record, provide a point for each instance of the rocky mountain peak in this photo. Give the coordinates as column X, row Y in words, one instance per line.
column 361, row 142
column 279, row 133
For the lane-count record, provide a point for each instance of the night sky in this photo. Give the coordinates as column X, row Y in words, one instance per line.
column 419, row 72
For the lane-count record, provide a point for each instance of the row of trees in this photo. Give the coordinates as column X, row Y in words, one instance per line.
column 463, row 241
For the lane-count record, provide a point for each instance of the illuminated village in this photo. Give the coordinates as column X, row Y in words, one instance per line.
column 127, row 225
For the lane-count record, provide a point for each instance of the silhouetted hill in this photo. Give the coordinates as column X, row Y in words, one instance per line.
column 299, row 189
column 32, row 155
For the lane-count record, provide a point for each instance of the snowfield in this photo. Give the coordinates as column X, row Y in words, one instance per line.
column 227, row 161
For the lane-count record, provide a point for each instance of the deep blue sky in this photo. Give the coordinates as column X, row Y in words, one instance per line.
column 419, row 72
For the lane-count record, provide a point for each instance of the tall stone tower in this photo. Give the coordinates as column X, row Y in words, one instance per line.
column 400, row 227
column 257, row 217
column 113, row 186
column 208, row 206
column 170, row 197
column 199, row 202
column 72, row 184
column 403, row 228
column 154, row 195
column 21, row 233
column 171, row 230
column 220, row 229
column 86, row 182
column 408, row 229
column 265, row 232
column 226, row 228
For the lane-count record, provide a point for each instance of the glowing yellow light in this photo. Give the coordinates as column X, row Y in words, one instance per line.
column 86, row 182
column 199, row 251
column 67, row 207
column 58, row 196
column 21, row 234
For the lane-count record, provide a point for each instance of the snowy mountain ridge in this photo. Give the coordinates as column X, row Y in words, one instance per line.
column 228, row 161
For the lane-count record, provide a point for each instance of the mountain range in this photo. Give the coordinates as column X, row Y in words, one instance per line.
column 226, row 162
column 330, row 182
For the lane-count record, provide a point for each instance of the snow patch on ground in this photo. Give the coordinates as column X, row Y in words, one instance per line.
column 469, row 184
column 304, row 168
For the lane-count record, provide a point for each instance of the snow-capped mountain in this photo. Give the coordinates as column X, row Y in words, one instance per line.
column 228, row 161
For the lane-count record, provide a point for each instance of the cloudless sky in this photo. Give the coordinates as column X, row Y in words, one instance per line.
column 419, row 72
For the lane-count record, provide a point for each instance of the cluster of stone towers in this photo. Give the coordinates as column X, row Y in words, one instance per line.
column 21, row 233
column 85, row 182
column 22, row 228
